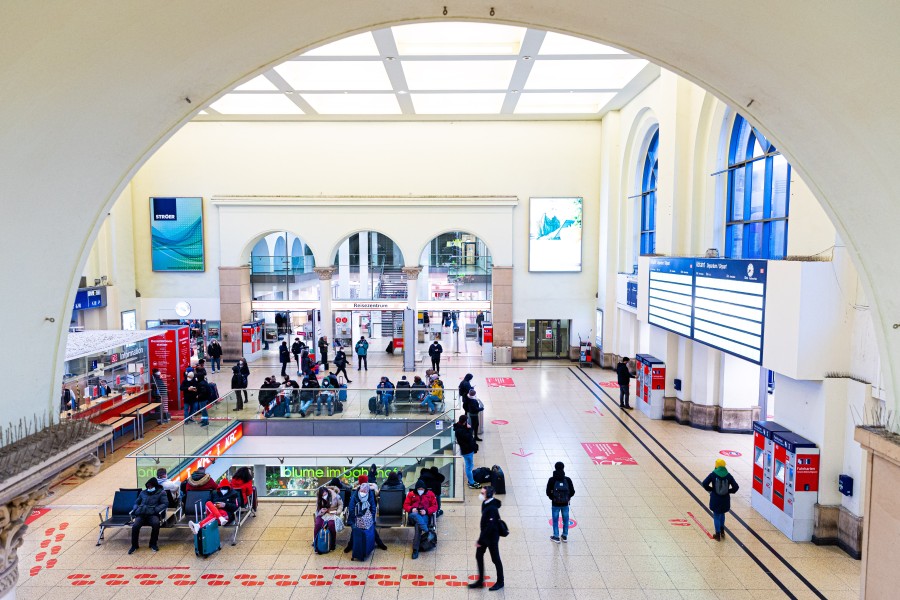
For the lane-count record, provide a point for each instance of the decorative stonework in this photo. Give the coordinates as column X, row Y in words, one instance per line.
column 9, row 576
column 12, row 532
column 325, row 273
column 412, row 273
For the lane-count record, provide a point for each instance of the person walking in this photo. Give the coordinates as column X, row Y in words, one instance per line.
column 297, row 349
column 434, row 351
column 560, row 491
column 473, row 407
column 340, row 363
column 464, row 386
column 239, row 376
column 362, row 350
column 489, row 539
column 323, row 352
column 720, row 485
column 159, row 392
column 284, row 357
column 623, row 375
column 214, row 351
column 479, row 322
column 462, row 430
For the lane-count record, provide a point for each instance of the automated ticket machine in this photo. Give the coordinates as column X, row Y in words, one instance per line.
column 651, row 385
column 763, row 459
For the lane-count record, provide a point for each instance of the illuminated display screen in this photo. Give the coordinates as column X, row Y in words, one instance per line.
column 176, row 234
column 554, row 238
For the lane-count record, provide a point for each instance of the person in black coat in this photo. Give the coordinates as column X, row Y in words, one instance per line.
column 433, row 479
column 434, row 351
column 560, row 491
column 472, row 408
column 464, row 386
column 296, row 349
column 214, row 350
column 151, row 504
column 489, row 539
column 623, row 375
column 239, row 377
column 467, row 448
column 323, row 352
column 340, row 363
column 720, row 485
column 284, row 357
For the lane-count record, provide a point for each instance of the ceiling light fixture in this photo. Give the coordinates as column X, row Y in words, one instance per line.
column 389, row 58
column 526, row 58
column 402, row 92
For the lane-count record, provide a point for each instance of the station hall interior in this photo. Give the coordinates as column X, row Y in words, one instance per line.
column 699, row 195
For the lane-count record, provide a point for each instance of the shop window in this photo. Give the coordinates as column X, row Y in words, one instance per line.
column 758, row 196
column 648, row 196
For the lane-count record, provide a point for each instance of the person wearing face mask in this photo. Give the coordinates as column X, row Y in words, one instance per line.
column 363, row 506
column 420, row 504
column 489, row 539
column 329, row 507
column 199, row 481
column 239, row 374
column 190, row 393
column 150, row 506
column 221, row 507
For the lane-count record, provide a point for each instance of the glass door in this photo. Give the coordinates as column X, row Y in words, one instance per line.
column 548, row 338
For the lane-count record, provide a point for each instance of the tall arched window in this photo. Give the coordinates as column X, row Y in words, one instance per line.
column 758, row 196
column 648, row 196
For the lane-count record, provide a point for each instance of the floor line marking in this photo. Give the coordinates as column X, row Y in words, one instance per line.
column 700, row 525
column 737, row 517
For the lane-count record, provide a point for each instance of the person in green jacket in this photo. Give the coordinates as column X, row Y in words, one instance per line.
column 362, row 350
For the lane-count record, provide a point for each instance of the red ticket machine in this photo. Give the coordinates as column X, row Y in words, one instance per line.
column 763, row 459
column 651, row 385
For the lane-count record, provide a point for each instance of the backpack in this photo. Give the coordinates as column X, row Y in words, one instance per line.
column 502, row 528
column 428, row 540
column 721, row 486
column 323, row 541
column 560, row 492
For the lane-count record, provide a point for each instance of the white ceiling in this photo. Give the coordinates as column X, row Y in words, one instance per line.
column 440, row 71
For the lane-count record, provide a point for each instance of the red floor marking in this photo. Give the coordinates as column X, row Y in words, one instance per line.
column 60, row 537
column 572, row 522
column 522, row 453
column 156, row 569
column 278, row 576
column 359, row 569
column 319, row 582
column 112, row 576
column 705, row 530
column 45, row 543
column 344, row 576
column 145, row 576
column 240, row 576
column 421, row 583
column 83, row 582
column 36, row 514
column 609, row 384
column 353, row 582
column 183, row 582
column 173, row 575
column 438, row 577
column 500, row 382
column 388, row 583
column 62, row 526
column 679, row 523
column 151, row 582
column 51, row 563
column 40, row 556
column 55, row 550
column 731, row 453
column 311, row 576
column 34, row 571
column 79, row 576
column 499, row 422
column 376, row 576
column 49, row 531
column 608, row 453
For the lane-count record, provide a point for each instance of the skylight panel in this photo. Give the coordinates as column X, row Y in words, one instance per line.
column 255, row 104
column 561, row 103
column 459, row 74
column 335, row 75
column 583, row 74
column 458, row 39
column 557, row 43
column 458, row 104
column 362, row 44
column 354, row 104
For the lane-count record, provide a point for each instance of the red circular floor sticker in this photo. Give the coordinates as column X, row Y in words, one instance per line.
column 499, row 422
column 731, row 453
column 572, row 522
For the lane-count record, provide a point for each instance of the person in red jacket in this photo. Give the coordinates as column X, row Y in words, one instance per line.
column 200, row 481
column 242, row 481
column 420, row 504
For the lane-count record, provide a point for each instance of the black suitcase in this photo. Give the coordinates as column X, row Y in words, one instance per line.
column 498, row 480
column 481, row 475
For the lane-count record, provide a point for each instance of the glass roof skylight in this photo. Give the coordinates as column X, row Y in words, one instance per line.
column 449, row 69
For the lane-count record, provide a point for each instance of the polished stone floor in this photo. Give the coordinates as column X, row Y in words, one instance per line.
column 639, row 530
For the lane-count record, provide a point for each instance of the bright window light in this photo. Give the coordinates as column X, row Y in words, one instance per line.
column 336, row 75
column 459, row 74
column 557, row 43
column 362, row 44
column 583, row 74
column 202, row 112
column 555, row 103
column 458, row 39
column 354, row 104
column 457, row 104
column 257, row 84
column 255, row 104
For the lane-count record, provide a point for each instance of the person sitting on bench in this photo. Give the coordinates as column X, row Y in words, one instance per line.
column 420, row 504
column 223, row 506
column 150, row 505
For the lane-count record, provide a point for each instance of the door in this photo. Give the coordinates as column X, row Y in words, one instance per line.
column 548, row 338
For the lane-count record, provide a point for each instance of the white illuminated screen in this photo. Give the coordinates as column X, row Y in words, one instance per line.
column 554, row 243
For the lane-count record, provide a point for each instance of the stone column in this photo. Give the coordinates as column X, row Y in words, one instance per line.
column 502, row 305
column 234, row 308
column 325, row 274
column 410, row 335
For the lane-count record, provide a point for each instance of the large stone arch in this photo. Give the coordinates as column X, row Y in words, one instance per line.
column 68, row 155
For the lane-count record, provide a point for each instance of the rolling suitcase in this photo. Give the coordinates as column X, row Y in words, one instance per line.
column 207, row 542
column 323, row 541
column 498, row 480
column 373, row 405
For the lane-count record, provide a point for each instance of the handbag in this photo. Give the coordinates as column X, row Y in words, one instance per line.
column 338, row 524
column 502, row 528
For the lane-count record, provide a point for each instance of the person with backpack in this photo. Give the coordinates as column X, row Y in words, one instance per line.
column 462, row 430
column 435, row 351
column 720, row 484
column 560, row 491
column 623, row 376
column 362, row 350
column 489, row 538
column 419, row 505
column 340, row 362
column 214, row 350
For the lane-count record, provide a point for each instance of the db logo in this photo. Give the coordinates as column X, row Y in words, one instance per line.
column 113, row 358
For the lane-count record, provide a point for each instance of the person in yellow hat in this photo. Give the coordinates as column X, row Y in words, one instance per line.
column 720, row 485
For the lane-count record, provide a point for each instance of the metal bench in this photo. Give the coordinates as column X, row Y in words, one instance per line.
column 195, row 506
column 119, row 514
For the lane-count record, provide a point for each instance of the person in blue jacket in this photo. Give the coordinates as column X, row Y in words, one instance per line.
column 362, row 351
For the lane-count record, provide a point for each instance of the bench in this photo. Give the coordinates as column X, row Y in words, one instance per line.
column 195, row 506
column 117, row 423
column 138, row 412
column 119, row 514
column 390, row 511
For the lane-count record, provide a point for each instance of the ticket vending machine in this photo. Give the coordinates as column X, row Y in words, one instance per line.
column 763, row 460
column 251, row 339
column 651, row 385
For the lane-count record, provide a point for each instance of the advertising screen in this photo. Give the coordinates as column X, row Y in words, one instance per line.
column 554, row 238
column 176, row 234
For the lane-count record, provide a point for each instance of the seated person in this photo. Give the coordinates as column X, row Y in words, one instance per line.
column 329, row 506
column 172, row 489
column 199, row 481
column 420, row 504
column 393, row 482
column 226, row 498
column 420, row 390
column 242, row 481
column 326, row 396
column 150, row 506
column 364, row 479
column 433, row 479
column 403, row 387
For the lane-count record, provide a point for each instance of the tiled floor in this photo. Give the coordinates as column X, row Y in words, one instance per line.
column 639, row 529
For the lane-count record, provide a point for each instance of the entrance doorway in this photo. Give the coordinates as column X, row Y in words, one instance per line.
column 548, row 338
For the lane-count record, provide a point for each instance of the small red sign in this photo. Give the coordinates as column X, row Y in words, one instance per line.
column 518, row 368
column 731, row 453
column 609, row 384
column 36, row 514
column 608, row 453
column 500, row 382
column 499, row 422
column 572, row 522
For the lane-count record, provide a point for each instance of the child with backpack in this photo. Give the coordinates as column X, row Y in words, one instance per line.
column 560, row 491
column 720, row 485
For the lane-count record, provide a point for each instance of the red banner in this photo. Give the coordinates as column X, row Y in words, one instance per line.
column 608, row 453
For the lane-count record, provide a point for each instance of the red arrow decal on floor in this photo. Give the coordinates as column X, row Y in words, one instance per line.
column 522, row 453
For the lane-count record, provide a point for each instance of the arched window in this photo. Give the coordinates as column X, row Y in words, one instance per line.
column 758, row 196
column 648, row 196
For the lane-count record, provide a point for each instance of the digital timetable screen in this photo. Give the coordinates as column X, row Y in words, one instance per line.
column 718, row 302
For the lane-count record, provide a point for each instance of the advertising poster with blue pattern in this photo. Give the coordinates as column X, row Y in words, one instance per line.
column 176, row 234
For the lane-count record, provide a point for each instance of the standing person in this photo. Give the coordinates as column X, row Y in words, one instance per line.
column 464, row 386
column 489, row 539
column 204, row 397
column 623, row 374
column 720, row 485
column 200, row 369
column 323, row 352
column 426, row 320
column 159, row 392
column 560, row 491
column 420, row 504
column 479, row 322
column 189, row 394
column 434, row 351
column 239, row 374
column 214, row 350
column 284, row 357
column 150, row 504
column 467, row 448
column 305, row 362
column 362, row 350
column 473, row 407
column 340, row 362
column 296, row 350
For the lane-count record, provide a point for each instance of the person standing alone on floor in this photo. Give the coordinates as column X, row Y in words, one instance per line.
column 434, row 351
column 284, row 357
column 623, row 375
column 362, row 351
column 489, row 539
column 560, row 491
column 720, row 485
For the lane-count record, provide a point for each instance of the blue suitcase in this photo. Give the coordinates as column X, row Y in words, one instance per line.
column 323, row 541
column 207, row 542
